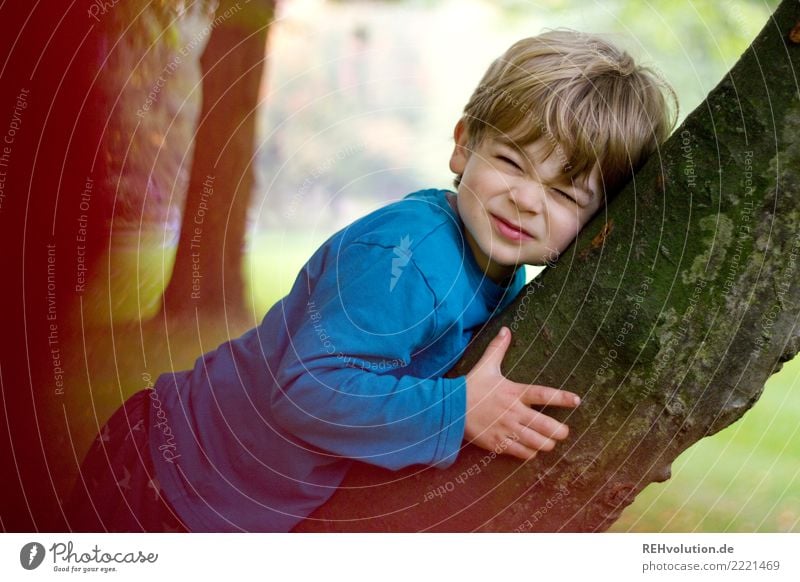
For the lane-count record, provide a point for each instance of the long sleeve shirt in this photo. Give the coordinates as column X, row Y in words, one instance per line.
column 348, row 366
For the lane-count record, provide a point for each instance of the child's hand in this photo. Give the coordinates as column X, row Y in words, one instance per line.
column 499, row 416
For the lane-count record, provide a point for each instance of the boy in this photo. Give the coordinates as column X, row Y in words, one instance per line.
column 350, row 364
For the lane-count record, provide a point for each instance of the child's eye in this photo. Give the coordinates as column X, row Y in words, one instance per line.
column 510, row 162
column 563, row 194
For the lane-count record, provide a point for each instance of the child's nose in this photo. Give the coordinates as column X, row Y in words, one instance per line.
column 529, row 198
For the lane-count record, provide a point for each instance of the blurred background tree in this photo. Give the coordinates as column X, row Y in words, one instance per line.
column 206, row 274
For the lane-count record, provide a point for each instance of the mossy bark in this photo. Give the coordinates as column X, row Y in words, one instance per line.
column 667, row 315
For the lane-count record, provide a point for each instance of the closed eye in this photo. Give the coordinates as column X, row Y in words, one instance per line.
column 564, row 195
column 510, row 162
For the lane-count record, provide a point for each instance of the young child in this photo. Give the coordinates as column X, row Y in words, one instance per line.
column 350, row 364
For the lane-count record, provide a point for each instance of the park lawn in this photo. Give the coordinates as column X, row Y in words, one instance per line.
column 746, row 478
column 272, row 266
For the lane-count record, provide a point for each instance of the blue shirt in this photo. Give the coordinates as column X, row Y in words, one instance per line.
column 348, row 365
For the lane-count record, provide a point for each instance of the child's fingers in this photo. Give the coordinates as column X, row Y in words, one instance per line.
column 546, row 396
column 545, row 426
column 531, row 439
column 517, row 449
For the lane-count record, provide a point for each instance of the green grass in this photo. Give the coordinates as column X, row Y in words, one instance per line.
column 272, row 266
column 746, row 478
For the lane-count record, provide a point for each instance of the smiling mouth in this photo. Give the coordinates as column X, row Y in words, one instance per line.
column 509, row 230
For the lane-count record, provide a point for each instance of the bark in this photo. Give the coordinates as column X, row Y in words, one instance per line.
column 207, row 275
column 667, row 315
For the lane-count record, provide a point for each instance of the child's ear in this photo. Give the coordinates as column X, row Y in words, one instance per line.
column 458, row 160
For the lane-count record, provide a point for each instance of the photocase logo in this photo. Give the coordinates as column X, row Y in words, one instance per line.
column 402, row 256
column 31, row 555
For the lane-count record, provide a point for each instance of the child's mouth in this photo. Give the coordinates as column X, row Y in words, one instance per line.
column 509, row 230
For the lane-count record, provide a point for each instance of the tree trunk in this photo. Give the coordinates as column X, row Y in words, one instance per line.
column 667, row 315
column 207, row 275
column 54, row 211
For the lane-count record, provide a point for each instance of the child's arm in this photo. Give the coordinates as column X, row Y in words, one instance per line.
column 327, row 393
column 499, row 416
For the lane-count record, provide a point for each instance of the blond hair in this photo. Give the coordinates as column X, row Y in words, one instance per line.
column 589, row 99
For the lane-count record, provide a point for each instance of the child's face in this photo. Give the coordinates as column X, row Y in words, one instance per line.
column 519, row 208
